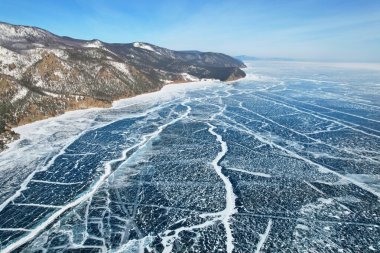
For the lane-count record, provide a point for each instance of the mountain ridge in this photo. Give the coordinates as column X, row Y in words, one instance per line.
column 44, row 75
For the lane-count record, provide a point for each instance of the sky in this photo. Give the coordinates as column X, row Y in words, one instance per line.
column 321, row 30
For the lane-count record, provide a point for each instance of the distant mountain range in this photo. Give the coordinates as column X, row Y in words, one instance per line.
column 253, row 58
column 43, row 74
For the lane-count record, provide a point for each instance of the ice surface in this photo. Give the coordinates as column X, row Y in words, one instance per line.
column 285, row 159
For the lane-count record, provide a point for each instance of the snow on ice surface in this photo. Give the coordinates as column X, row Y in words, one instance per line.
column 287, row 158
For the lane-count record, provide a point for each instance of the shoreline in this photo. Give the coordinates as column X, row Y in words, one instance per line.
column 14, row 131
column 174, row 88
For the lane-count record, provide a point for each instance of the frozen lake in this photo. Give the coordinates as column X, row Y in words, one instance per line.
column 286, row 160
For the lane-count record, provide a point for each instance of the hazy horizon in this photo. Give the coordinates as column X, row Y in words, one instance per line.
column 335, row 30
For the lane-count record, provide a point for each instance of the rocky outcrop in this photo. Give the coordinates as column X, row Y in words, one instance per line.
column 43, row 75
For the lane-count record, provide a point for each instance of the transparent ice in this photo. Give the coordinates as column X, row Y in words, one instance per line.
column 286, row 160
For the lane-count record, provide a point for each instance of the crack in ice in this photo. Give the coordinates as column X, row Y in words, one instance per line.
column 293, row 154
column 320, row 115
column 88, row 194
column 304, row 135
column 264, row 237
column 230, row 208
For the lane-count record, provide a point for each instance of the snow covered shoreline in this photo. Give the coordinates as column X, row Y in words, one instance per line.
column 167, row 92
column 43, row 139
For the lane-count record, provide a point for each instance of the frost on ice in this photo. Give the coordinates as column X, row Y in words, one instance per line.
column 276, row 161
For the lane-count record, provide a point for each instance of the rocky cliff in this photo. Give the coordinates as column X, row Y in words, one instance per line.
column 42, row 74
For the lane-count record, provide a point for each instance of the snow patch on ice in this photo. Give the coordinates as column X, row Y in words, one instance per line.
column 254, row 173
column 168, row 92
column 302, row 227
column 230, row 208
column 370, row 179
column 320, row 204
column 264, row 237
column 259, row 78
